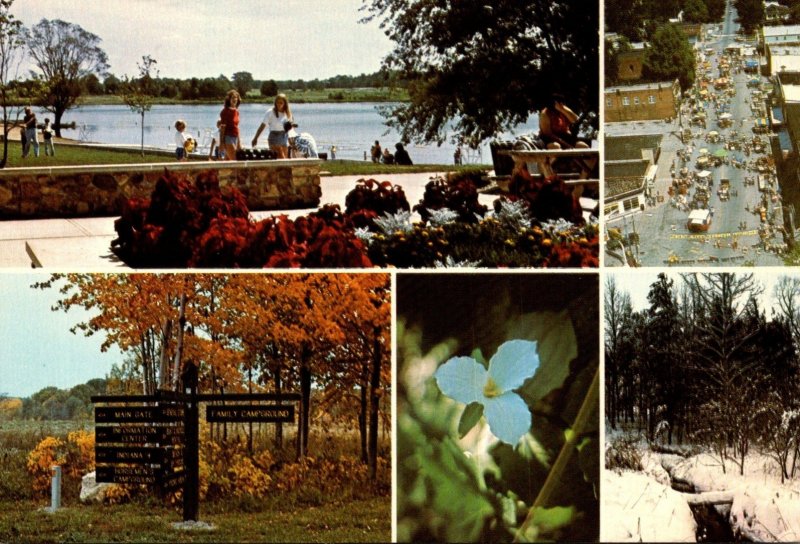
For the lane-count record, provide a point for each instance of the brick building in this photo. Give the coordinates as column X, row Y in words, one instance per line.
column 629, row 63
column 642, row 102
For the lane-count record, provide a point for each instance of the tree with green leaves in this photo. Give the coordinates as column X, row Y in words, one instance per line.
column 12, row 53
column 695, row 11
column 243, row 82
column 751, row 14
column 139, row 94
column 478, row 68
column 64, row 53
column 625, row 17
column 670, row 57
column 269, row 88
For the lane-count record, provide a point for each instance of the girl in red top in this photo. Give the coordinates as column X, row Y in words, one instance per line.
column 229, row 126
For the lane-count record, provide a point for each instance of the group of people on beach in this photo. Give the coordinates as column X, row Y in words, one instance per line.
column 385, row 156
column 282, row 138
column 29, row 135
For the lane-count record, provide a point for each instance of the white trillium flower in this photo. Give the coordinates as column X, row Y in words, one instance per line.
column 466, row 380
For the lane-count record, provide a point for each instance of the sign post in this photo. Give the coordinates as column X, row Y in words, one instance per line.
column 191, row 453
column 155, row 439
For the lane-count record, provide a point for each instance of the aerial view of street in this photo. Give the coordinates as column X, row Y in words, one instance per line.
column 713, row 197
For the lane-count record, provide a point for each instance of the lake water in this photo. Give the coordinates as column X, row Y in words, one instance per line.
column 351, row 127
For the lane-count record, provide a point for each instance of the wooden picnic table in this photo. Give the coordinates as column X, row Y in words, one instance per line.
column 544, row 158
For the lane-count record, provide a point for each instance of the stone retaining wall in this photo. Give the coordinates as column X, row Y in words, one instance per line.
column 71, row 191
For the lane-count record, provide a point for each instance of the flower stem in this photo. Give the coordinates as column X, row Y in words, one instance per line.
column 581, row 420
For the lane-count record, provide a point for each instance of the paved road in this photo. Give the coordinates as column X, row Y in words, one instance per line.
column 734, row 237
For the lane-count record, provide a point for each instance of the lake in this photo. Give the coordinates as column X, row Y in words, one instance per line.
column 351, row 127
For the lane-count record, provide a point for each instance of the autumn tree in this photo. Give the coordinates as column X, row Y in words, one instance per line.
column 365, row 322
column 64, row 53
column 324, row 335
column 141, row 314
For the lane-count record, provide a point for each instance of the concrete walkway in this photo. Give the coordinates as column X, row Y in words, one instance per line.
column 84, row 244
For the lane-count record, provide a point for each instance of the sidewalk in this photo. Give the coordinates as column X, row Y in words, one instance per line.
column 83, row 244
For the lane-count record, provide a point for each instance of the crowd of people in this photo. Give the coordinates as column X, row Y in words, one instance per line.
column 283, row 140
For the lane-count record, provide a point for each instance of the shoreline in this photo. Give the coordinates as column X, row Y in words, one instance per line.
column 15, row 135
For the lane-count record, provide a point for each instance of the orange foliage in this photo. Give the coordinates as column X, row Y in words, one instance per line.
column 10, row 408
column 75, row 457
column 48, row 453
column 244, row 331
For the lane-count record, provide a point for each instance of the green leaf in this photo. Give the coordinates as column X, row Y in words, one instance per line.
column 477, row 354
column 472, row 414
column 588, row 454
column 509, row 507
column 548, row 520
column 557, row 347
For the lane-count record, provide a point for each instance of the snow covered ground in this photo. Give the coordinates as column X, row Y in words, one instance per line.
column 642, row 506
column 636, row 508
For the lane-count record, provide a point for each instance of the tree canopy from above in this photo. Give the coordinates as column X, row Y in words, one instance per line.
column 670, row 56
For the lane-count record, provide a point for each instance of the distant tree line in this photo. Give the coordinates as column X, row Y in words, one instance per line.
column 52, row 403
column 216, row 87
column 703, row 364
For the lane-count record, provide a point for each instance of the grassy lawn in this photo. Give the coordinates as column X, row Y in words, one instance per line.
column 69, row 155
column 149, row 521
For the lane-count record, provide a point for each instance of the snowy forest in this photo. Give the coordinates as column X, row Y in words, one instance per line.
column 702, row 394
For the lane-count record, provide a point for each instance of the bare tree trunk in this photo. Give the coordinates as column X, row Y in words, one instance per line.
column 375, row 384
column 163, row 367
column 278, row 425
column 176, row 364
column 362, row 421
column 250, row 424
column 305, row 391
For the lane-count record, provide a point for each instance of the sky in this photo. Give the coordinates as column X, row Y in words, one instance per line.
column 36, row 348
column 290, row 39
column 637, row 283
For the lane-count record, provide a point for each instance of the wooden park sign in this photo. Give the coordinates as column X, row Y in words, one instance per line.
column 154, row 439
column 261, row 413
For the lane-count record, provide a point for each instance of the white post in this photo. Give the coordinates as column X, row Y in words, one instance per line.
column 55, row 489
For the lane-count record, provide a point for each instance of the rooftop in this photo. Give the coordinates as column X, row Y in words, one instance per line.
column 624, row 148
column 626, row 169
column 791, row 93
column 783, row 30
column 777, row 49
column 640, row 87
column 615, row 187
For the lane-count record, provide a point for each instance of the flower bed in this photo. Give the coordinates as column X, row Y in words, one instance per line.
column 196, row 224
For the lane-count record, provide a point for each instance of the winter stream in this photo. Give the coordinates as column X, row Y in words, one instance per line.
column 689, row 498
